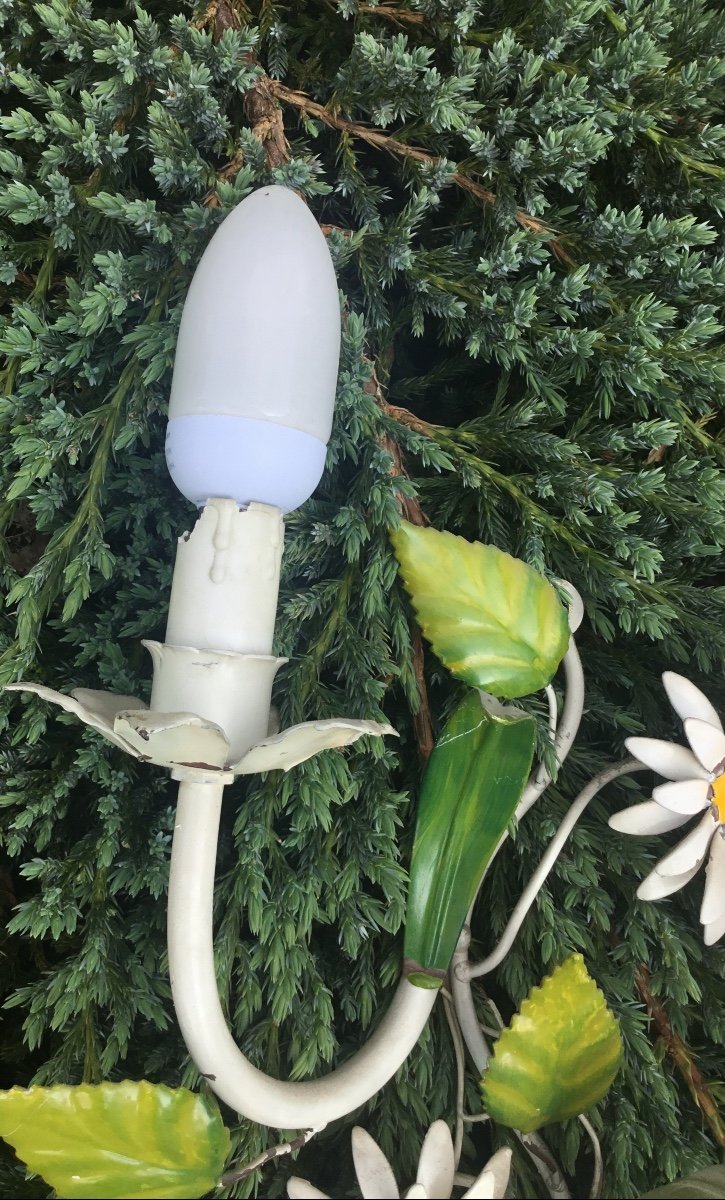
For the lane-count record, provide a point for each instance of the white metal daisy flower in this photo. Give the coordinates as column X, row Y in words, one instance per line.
column 436, row 1169
column 697, row 785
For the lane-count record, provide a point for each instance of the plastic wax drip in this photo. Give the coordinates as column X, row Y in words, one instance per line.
column 222, row 541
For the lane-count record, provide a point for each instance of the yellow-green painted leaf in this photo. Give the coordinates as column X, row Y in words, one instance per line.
column 558, row 1056
column 472, row 784
column 491, row 619
column 128, row 1140
column 708, row 1184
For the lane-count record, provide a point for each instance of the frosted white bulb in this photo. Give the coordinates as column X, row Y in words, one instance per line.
column 256, row 363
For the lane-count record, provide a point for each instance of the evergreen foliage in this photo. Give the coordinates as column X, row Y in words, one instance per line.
column 524, row 201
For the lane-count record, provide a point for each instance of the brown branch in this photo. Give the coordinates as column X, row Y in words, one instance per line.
column 260, row 106
column 221, row 15
column 236, row 1175
column 405, row 417
column 400, row 16
column 208, row 15
column 265, row 117
column 412, row 512
column 328, row 229
column 421, row 720
column 410, row 506
column 383, row 141
column 681, row 1056
column 267, row 124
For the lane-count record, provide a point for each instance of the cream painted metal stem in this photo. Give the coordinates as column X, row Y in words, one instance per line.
column 565, row 731
column 538, row 879
column 477, row 1047
column 563, row 738
column 282, row 1105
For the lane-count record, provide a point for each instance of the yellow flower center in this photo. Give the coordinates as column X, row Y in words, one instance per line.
column 718, row 796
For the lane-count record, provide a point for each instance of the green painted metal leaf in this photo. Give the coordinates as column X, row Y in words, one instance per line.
column 472, row 784
column 491, row 619
column 558, row 1056
column 124, row 1140
column 703, row 1185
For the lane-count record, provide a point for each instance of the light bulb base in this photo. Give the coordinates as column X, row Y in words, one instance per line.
column 217, row 455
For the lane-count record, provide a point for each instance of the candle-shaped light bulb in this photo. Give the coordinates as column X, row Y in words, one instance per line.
column 256, row 361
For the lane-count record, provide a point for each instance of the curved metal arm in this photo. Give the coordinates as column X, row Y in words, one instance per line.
column 236, row 1081
column 533, row 887
column 566, row 730
column 461, row 973
column 477, row 1047
column 563, row 738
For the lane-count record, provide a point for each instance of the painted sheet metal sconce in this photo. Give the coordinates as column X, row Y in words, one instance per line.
column 249, row 422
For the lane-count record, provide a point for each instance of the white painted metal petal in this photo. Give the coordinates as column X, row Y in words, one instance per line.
column 707, row 742
column 417, row 1192
column 688, row 701
column 483, row 1188
column 690, row 853
column 106, row 704
column 688, row 796
column 656, row 886
column 302, row 1189
column 666, row 758
column 437, row 1165
column 714, row 931
column 170, row 739
column 374, row 1173
column 713, row 901
column 293, row 746
column 82, row 704
column 646, row 819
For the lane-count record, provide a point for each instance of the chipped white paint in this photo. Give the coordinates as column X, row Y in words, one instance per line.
column 233, row 691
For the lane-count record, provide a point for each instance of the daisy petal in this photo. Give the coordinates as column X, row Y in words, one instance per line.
column 656, row 886
column 690, row 852
column 646, row 819
column 688, row 701
column 302, row 1189
column 707, row 742
column 688, row 796
column 437, row 1166
column 666, row 758
column 483, row 1188
column 372, row 1168
column 714, row 931
column 713, row 902
column 499, row 1165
